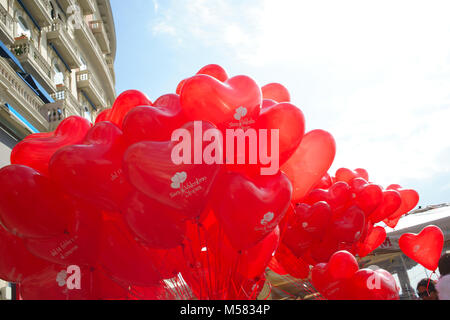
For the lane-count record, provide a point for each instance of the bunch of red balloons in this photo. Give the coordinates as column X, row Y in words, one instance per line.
column 341, row 213
column 109, row 200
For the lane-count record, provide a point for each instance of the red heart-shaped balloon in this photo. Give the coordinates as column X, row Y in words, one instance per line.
column 342, row 265
column 410, row 198
column 368, row 196
column 154, row 123
column 348, row 226
column 292, row 264
column 103, row 116
column 184, row 187
column 249, row 209
column 310, row 162
column 213, row 70
column 347, row 175
column 284, row 126
column 123, row 258
column 337, row 196
column 290, row 122
column 367, row 284
column 332, row 278
column 325, row 182
column 78, row 246
column 233, row 104
column 373, row 240
column 37, row 151
column 92, row 171
column 308, row 223
column 151, row 221
column 30, row 204
column 17, row 263
column 125, row 102
column 276, row 92
column 424, row 248
column 389, row 204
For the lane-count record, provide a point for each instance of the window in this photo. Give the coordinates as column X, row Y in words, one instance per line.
column 59, row 75
column 87, row 113
column 22, row 27
column 53, row 13
column 83, row 64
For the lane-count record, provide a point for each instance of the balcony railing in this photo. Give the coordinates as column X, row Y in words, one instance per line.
column 41, row 11
column 32, row 60
column 87, row 82
column 64, row 94
column 64, row 43
column 6, row 26
column 98, row 29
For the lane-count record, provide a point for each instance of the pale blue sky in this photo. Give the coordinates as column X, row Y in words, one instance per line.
column 374, row 74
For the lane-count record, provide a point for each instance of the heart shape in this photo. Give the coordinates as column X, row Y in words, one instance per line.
column 92, row 171
column 222, row 103
column 410, row 199
column 36, row 151
column 337, row 196
column 124, row 259
column 103, row 116
column 157, row 225
column 78, row 246
column 213, row 70
column 348, row 226
column 368, row 196
column 154, row 123
column 249, row 209
column 184, row 187
column 310, row 162
column 373, row 240
column 31, row 206
column 367, row 284
column 17, row 263
column 289, row 124
column 276, row 92
column 125, row 102
column 331, row 278
column 306, row 224
column 347, row 175
column 390, row 203
column 424, row 248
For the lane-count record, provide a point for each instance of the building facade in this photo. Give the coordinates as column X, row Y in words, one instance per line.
column 56, row 60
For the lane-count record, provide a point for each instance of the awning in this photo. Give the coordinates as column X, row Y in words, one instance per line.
column 38, row 88
column 7, row 54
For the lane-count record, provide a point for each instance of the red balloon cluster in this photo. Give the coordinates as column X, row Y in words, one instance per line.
column 341, row 279
column 108, row 200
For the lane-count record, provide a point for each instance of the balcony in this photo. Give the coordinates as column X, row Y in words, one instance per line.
column 6, row 26
column 18, row 94
column 87, row 6
column 65, row 105
column 40, row 10
column 33, row 62
column 87, row 83
column 99, row 32
column 63, row 42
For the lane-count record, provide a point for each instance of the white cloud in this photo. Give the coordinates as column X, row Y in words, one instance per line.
column 375, row 74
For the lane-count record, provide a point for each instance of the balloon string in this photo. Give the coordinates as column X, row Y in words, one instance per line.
column 208, row 277
column 429, row 280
